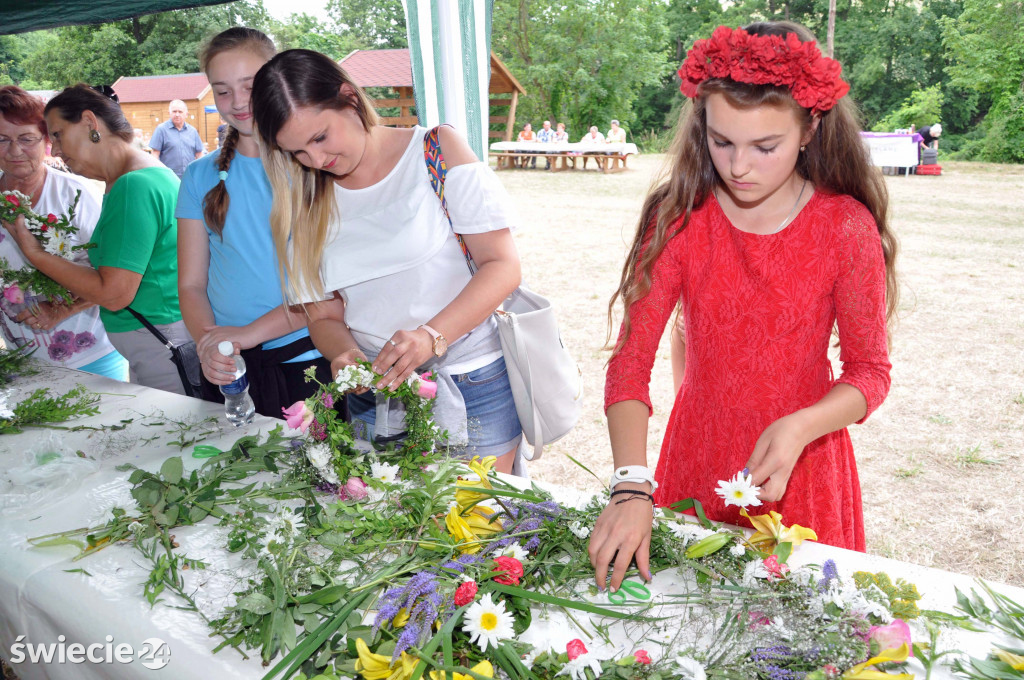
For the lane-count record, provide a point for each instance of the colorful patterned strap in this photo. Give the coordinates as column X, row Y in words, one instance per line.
column 437, row 170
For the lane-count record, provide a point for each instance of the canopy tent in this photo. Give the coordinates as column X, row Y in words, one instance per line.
column 19, row 16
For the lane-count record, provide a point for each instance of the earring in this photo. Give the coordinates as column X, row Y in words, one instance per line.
column 94, row 136
column 802, row 149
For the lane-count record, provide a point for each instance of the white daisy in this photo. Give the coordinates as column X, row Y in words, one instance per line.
column 384, row 472
column 59, row 244
column 690, row 668
column 320, row 457
column 577, row 668
column 739, row 491
column 689, row 532
column 517, row 551
column 579, row 529
column 487, row 622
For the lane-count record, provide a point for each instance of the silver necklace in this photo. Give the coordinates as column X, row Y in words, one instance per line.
column 792, row 210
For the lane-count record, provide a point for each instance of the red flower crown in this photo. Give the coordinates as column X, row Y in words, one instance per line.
column 730, row 53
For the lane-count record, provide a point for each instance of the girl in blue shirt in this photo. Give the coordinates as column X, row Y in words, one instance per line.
column 228, row 283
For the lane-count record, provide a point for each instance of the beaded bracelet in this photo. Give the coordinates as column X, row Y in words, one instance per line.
column 633, row 495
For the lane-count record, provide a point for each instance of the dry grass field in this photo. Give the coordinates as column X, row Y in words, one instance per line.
column 941, row 460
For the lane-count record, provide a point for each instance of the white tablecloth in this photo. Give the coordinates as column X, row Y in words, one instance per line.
column 41, row 600
column 623, row 149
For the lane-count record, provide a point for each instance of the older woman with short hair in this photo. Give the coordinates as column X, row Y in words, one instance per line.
column 135, row 241
column 69, row 335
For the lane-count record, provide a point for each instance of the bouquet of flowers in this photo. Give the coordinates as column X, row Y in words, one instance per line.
column 54, row 233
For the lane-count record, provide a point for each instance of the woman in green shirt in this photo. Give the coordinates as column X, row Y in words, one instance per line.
column 134, row 246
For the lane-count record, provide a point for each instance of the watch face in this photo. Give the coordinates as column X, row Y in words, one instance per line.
column 440, row 346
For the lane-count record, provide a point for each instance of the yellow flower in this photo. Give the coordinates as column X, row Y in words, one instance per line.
column 861, row 672
column 401, row 618
column 1015, row 661
column 480, row 522
column 378, row 667
column 461, row 531
column 482, row 668
column 482, row 468
column 771, row 531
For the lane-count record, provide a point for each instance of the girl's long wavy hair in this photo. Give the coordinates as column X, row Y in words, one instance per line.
column 216, row 201
column 835, row 159
column 303, row 197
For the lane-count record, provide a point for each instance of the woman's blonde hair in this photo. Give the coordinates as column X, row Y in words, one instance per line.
column 303, row 197
column 217, row 200
column 835, row 160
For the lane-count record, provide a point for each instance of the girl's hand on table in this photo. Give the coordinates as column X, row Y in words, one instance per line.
column 622, row 532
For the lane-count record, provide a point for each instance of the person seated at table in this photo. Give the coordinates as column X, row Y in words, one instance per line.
column 527, row 135
column 67, row 335
column 561, row 136
column 593, row 136
column 616, row 135
column 135, row 240
column 930, row 135
column 546, row 136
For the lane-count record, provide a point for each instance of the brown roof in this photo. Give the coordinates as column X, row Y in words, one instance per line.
column 161, row 88
column 379, row 68
column 393, row 68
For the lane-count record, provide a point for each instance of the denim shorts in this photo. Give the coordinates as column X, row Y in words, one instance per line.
column 492, row 423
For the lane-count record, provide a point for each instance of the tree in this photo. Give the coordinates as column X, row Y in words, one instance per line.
column 302, row 31
column 582, row 62
column 371, row 24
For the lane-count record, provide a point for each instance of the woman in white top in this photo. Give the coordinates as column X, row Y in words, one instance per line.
column 68, row 335
column 365, row 244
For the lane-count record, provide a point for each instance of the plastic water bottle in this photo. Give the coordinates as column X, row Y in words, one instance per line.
column 238, row 406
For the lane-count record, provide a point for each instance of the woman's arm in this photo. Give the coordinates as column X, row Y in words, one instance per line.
column 498, row 274
column 330, row 333
column 47, row 315
column 110, row 287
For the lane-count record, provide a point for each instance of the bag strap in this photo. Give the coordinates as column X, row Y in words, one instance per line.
column 151, row 328
column 437, row 169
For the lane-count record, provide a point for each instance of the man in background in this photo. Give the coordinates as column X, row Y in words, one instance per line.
column 175, row 142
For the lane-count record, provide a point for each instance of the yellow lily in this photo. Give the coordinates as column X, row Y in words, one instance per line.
column 401, row 618
column 480, row 522
column 482, row 468
column 1015, row 661
column 771, row 531
column 482, row 668
column 378, row 667
column 861, row 671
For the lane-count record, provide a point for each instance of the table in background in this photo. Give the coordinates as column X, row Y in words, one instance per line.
column 609, row 157
column 44, row 594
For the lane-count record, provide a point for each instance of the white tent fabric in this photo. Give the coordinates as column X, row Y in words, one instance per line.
column 449, row 44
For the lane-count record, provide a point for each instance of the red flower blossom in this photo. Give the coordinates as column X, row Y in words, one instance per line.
column 813, row 80
column 575, row 648
column 11, row 198
column 641, row 657
column 51, row 218
column 465, row 593
column 512, row 568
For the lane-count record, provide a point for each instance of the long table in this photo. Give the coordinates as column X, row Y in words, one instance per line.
column 563, row 156
column 98, row 600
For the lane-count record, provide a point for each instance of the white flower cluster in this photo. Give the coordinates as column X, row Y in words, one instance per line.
column 689, row 532
column 320, row 457
column 352, row 377
column 579, row 529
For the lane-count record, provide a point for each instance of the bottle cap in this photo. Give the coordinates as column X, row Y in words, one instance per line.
column 226, row 348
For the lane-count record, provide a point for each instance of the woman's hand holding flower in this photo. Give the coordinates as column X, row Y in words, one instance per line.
column 345, row 359
column 775, row 455
column 28, row 243
column 402, row 355
column 45, row 316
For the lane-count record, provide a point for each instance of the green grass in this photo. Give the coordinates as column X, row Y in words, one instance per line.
column 971, row 457
column 940, row 419
column 906, row 473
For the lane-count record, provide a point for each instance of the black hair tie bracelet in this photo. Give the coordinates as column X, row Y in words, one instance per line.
column 632, row 494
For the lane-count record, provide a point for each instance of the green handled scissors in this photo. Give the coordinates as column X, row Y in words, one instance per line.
column 629, row 589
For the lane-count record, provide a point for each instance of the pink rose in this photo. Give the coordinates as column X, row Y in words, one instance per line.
column 298, row 416
column 14, row 294
column 354, row 489
column 426, row 389
column 892, row 636
column 575, row 648
column 642, row 657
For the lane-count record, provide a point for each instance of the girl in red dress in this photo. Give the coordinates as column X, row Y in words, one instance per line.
column 770, row 231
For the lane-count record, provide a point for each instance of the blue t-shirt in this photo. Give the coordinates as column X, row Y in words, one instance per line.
column 177, row 147
column 243, row 283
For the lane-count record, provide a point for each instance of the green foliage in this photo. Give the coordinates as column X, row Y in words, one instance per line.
column 14, row 363
column 582, row 62
column 370, row 24
column 302, row 31
column 40, row 409
column 903, row 596
column 923, row 107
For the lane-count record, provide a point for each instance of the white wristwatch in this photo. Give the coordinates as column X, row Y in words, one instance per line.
column 638, row 474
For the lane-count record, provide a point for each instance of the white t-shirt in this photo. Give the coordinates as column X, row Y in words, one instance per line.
column 393, row 256
column 79, row 339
